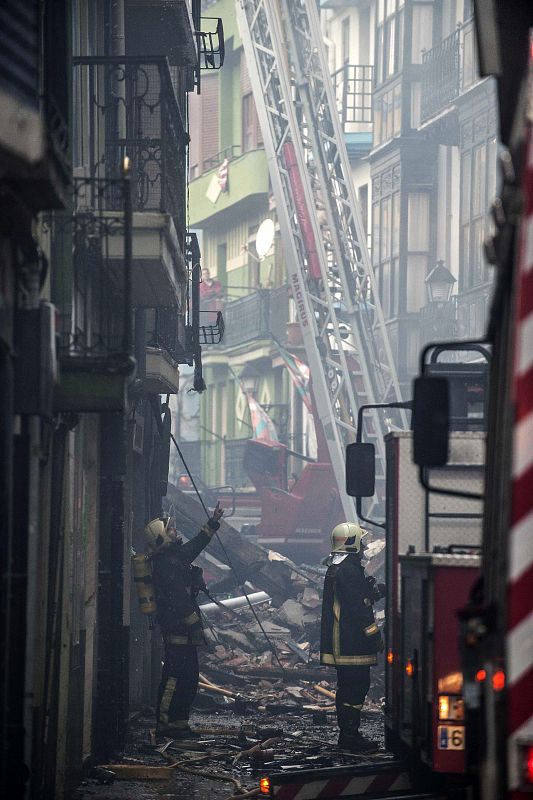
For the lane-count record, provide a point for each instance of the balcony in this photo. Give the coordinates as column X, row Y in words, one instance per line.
column 448, row 70
column 135, row 107
column 165, row 350
column 352, row 85
column 256, row 316
column 93, row 296
column 247, row 183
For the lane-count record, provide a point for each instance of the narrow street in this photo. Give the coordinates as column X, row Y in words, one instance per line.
column 266, row 399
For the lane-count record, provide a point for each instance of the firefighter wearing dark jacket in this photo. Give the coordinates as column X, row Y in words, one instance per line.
column 350, row 639
column 176, row 584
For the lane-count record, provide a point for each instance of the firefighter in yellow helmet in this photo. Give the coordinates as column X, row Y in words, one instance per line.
column 176, row 584
column 350, row 639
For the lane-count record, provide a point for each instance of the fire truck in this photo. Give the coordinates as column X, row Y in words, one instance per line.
column 459, row 711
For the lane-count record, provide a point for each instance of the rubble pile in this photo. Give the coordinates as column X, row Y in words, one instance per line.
column 270, row 653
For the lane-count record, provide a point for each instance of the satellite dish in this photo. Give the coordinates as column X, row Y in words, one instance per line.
column 264, row 237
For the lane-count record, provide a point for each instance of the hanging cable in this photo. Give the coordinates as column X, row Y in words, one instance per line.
column 229, row 562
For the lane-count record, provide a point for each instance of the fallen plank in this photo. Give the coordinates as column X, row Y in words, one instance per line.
column 325, row 692
column 306, row 674
column 140, row 772
column 208, row 687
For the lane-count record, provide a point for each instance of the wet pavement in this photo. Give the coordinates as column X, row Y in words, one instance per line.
column 278, row 742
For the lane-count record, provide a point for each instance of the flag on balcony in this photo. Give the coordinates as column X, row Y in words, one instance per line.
column 300, row 375
column 223, row 176
column 264, row 428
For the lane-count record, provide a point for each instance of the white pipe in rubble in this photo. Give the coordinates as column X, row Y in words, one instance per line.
column 236, row 602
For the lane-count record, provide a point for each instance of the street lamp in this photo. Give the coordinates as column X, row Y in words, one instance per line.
column 439, row 284
column 249, row 378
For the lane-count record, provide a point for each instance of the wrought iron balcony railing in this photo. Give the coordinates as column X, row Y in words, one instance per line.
column 134, row 106
column 166, row 331
column 448, row 70
column 256, row 316
column 94, row 297
column 353, row 84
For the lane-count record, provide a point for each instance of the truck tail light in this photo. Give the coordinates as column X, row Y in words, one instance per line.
column 498, row 680
column 451, row 707
column 527, row 765
column 264, row 785
column 390, row 657
column 409, row 668
column 481, row 675
column 444, row 706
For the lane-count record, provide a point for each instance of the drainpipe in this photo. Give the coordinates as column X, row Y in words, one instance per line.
column 26, row 505
column 118, row 48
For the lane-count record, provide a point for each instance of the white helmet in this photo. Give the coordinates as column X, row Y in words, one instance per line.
column 346, row 537
column 157, row 533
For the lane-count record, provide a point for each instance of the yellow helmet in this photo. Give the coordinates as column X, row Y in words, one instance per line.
column 346, row 537
column 157, row 533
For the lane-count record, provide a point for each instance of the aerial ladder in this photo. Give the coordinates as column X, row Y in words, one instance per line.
column 329, row 272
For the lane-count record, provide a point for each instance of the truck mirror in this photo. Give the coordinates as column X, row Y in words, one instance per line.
column 431, row 421
column 360, row 469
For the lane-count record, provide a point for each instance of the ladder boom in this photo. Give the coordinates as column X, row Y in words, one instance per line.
column 329, row 272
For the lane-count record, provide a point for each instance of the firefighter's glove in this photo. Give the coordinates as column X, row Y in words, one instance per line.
column 377, row 590
column 197, row 580
column 192, row 621
column 213, row 523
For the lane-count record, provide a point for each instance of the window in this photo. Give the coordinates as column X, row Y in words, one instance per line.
column 345, row 39
column 251, row 132
column 247, row 122
column 387, row 115
column 375, row 234
column 386, row 240
column 389, row 40
column 396, row 224
column 390, row 30
column 418, row 221
column 422, row 37
column 418, row 249
column 362, row 193
column 478, row 185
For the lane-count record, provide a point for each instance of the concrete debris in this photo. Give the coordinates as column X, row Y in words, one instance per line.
column 292, row 613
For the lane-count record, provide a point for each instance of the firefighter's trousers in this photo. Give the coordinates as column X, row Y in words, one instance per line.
column 353, row 683
column 178, row 687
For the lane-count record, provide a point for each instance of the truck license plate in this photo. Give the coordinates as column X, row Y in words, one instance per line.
column 450, row 737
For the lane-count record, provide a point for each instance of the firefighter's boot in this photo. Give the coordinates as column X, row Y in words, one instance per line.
column 349, row 719
column 177, row 729
column 357, row 743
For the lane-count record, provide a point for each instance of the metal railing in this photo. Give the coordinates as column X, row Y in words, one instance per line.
column 256, row 316
column 133, row 106
column 94, row 300
column 211, row 48
column 166, row 331
column 448, row 70
column 231, row 152
column 352, row 85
